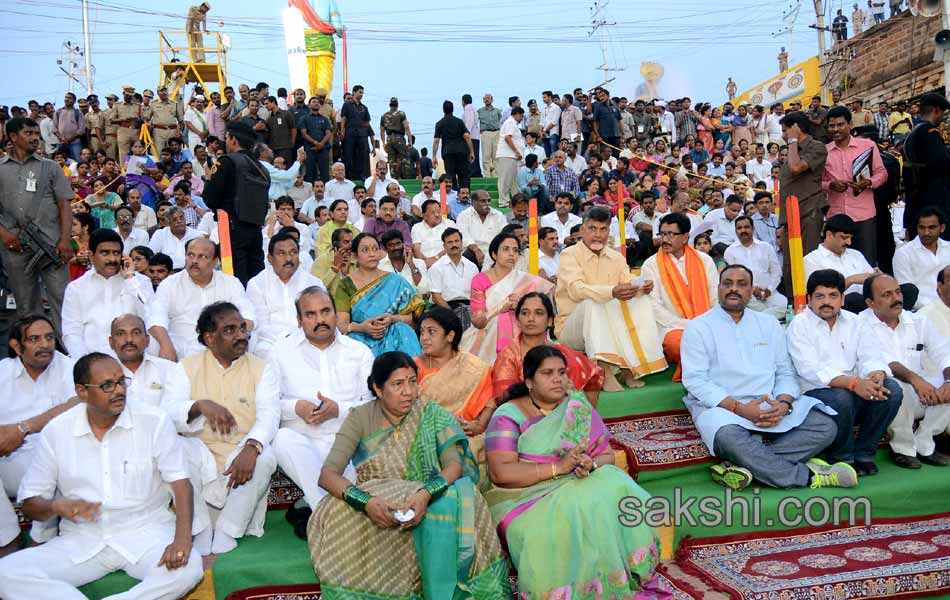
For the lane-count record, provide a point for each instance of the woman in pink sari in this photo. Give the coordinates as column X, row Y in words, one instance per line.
column 495, row 293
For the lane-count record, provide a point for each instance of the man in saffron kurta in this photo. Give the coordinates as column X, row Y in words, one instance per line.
column 684, row 284
column 600, row 310
column 234, row 409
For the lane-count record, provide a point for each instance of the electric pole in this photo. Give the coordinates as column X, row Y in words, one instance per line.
column 789, row 17
column 820, row 27
column 68, row 63
column 85, row 34
column 599, row 22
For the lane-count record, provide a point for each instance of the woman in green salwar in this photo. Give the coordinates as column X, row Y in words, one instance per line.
column 557, row 493
column 413, row 525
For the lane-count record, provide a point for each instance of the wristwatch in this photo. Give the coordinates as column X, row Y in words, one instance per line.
column 258, row 447
column 788, row 404
column 23, row 428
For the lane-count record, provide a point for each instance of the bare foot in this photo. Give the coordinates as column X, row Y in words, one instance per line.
column 610, row 379
column 631, row 381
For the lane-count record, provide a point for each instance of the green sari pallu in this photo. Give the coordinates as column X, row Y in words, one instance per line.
column 563, row 534
column 453, row 554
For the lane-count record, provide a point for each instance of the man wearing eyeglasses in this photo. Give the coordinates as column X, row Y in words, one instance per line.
column 105, row 469
column 38, row 382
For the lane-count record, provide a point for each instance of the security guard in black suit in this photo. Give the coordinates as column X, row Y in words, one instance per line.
column 927, row 162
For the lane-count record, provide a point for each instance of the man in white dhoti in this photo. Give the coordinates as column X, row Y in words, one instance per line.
column 235, row 411
column 38, row 385
column 105, row 468
column 173, row 313
column 274, row 290
column 744, row 397
column 109, row 289
column 907, row 340
column 602, row 311
column 322, row 375
column 157, row 383
column 762, row 260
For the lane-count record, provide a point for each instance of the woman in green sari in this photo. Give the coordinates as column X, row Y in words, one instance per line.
column 414, row 525
column 557, row 493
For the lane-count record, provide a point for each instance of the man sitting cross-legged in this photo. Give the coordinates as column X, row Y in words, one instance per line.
column 235, row 411
column 105, row 469
column 907, row 341
column 839, row 363
column 743, row 397
column 322, row 376
column 684, row 283
column 601, row 310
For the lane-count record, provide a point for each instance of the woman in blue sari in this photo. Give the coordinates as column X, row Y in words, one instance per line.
column 377, row 307
column 556, row 492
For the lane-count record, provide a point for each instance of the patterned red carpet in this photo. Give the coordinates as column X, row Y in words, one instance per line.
column 894, row 558
column 302, row 591
column 283, row 492
column 658, row 441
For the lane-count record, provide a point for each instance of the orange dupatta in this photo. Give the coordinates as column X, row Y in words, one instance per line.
column 443, row 392
column 690, row 297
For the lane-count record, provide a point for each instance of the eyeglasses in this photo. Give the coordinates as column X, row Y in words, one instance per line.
column 108, row 387
column 669, row 234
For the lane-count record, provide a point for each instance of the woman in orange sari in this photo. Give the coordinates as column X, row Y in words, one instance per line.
column 535, row 315
column 456, row 380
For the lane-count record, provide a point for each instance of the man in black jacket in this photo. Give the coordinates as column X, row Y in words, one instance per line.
column 927, row 163
column 239, row 186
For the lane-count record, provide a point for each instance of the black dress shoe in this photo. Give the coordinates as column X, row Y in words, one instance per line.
column 904, row 461
column 936, row 459
column 300, row 529
column 865, row 469
column 297, row 515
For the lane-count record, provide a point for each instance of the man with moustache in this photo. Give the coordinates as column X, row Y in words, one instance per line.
column 172, row 314
column 105, row 469
column 762, row 260
column 838, row 363
column 908, row 343
column 744, row 398
column 38, row 382
column 322, row 376
column 273, row 291
column 228, row 375
column 157, row 383
column 109, row 289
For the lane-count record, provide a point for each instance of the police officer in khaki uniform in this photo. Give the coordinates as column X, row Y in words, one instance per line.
column 165, row 122
column 394, row 130
column 95, row 124
column 147, row 96
column 197, row 22
column 110, row 126
column 127, row 115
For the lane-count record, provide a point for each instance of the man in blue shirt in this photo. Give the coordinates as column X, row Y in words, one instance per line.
column 606, row 121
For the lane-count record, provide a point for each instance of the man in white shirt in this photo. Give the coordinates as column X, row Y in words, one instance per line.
column 196, row 129
column 918, row 261
column 758, row 169
column 308, row 212
column 531, row 147
column 173, row 313
column 145, row 217
column 38, row 383
column 399, row 259
column 105, row 469
column 130, row 236
column 283, row 216
column 427, row 235
column 550, row 124
column 234, row 410
column 766, row 270
column 667, row 123
column 470, row 118
column 721, row 222
column 479, row 224
column 548, row 255
column 450, row 278
column 157, row 383
column 173, row 239
column 575, row 161
column 274, row 290
column 109, row 289
column 562, row 220
column 339, row 187
column 835, row 253
column 837, row 362
column 377, row 184
column 509, row 155
column 322, row 375
column 905, row 341
column 938, row 311
column 426, row 194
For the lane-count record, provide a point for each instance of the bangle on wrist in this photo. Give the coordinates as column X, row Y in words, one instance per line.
column 356, row 497
column 554, row 471
column 24, row 428
column 436, row 486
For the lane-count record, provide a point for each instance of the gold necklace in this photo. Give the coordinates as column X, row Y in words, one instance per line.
column 543, row 412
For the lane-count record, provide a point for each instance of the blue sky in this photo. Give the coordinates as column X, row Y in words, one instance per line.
column 423, row 52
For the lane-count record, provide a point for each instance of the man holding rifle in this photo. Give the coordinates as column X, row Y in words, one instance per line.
column 35, row 222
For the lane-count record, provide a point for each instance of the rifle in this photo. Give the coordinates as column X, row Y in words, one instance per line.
column 44, row 253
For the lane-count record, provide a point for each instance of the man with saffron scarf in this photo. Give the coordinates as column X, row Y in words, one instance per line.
column 601, row 311
column 322, row 20
column 684, row 284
